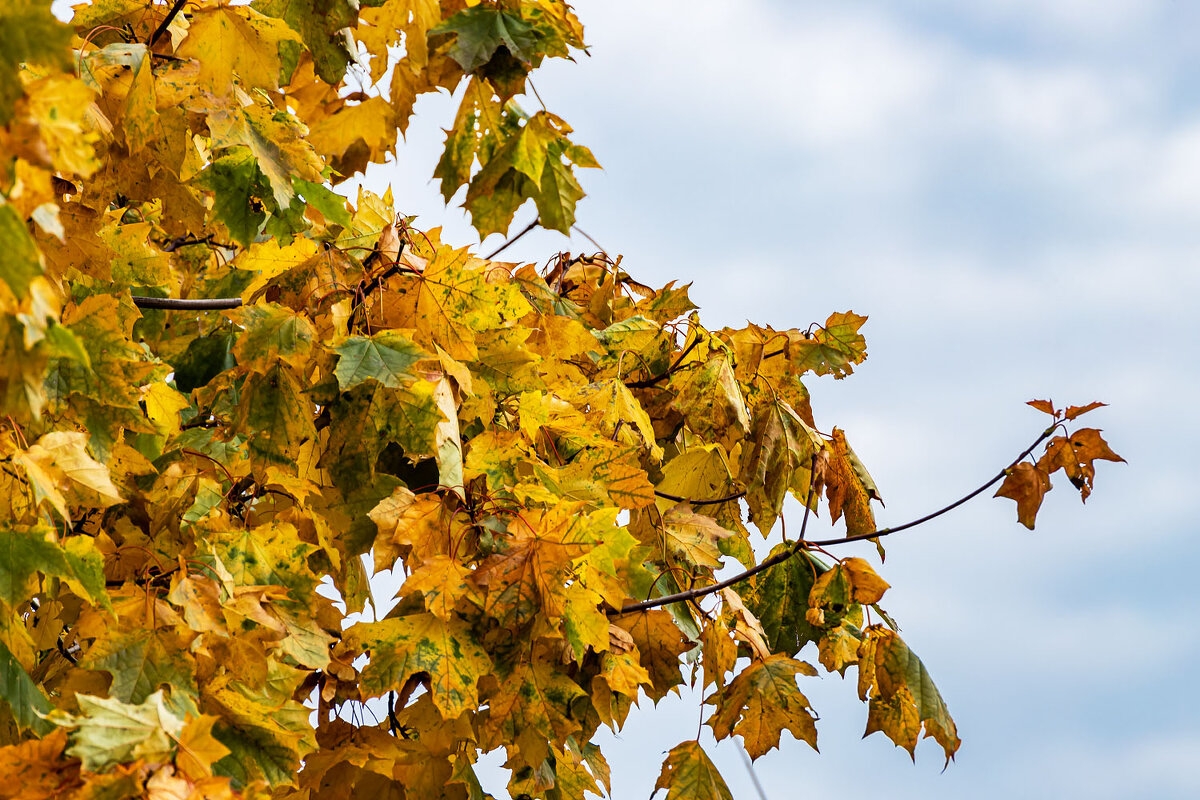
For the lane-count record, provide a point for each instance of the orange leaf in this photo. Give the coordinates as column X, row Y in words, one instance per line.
column 1027, row 485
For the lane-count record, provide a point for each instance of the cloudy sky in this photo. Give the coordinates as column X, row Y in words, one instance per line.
column 1010, row 189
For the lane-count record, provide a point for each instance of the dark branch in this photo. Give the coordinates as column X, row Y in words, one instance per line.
column 514, row 239
column 692, row 594
column 688, row 500
column 176, row 7
column 174, row 304
column 802, row 544
column 642, row 384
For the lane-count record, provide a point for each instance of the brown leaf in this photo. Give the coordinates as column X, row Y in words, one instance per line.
column 1027, row 485
column 1045, row 406
column 1074, row 456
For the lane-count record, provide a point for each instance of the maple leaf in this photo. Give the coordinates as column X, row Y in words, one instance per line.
column 1075, row 456
column 762, row 701
column 108, row 732
column 688, row 774
column 659, row 643
column 480, row 31
column 903, row 697
column 779, row 596
column 1027, row 484
column 446, row 650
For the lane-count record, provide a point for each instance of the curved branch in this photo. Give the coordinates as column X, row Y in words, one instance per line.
column 692, row 594
column 802, row 544
column 198, row 304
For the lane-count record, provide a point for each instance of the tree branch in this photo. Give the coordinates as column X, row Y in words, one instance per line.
column 642, row 384
column 692, row 594
column 802, row 544
column 690, row 501
column 514, row 239
column 176, row 7
column 199, row 304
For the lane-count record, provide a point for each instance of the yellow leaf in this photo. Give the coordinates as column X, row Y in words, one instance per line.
column 231, row 41
column 198, row 749
column 762, row 702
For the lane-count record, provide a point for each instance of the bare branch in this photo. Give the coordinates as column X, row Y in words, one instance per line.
column 514, row 239
column 198, row 304
column 802, row 544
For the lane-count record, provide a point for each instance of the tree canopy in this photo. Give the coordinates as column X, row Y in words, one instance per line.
column 223, row 384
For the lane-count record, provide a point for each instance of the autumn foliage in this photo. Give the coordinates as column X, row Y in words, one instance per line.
column 556, row 461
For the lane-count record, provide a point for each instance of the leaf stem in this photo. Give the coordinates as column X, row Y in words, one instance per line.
column 803, row 544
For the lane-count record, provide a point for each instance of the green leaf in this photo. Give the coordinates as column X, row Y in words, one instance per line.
column 19, row 263
column 480, row 31
column 331, row 204
column 109, row 732
column 25, row 700
column 204, row 359
column 272, row 332
column 689, row 774
column 142, row 663
column 384, row 357
column 778, row 596
column 26, row 552
column 275, row 414
column 318, row 22
column 558, row 192
column 235, row 182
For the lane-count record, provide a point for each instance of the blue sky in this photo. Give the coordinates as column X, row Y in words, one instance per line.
column 1010, row 189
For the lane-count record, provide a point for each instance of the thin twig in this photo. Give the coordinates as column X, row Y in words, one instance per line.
column 802, row 544
column 514, row 239
column 584, row 234
column 176, row 7
column 176, row 304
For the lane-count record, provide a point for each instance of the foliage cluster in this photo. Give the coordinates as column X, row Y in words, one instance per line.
column 557, row 461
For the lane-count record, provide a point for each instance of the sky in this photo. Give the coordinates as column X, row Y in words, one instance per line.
column 1010, row 190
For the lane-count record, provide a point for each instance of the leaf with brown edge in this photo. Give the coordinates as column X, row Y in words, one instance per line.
column 762, row 702
column 1074, row 456
column 1027, row 485
column 689, row 774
